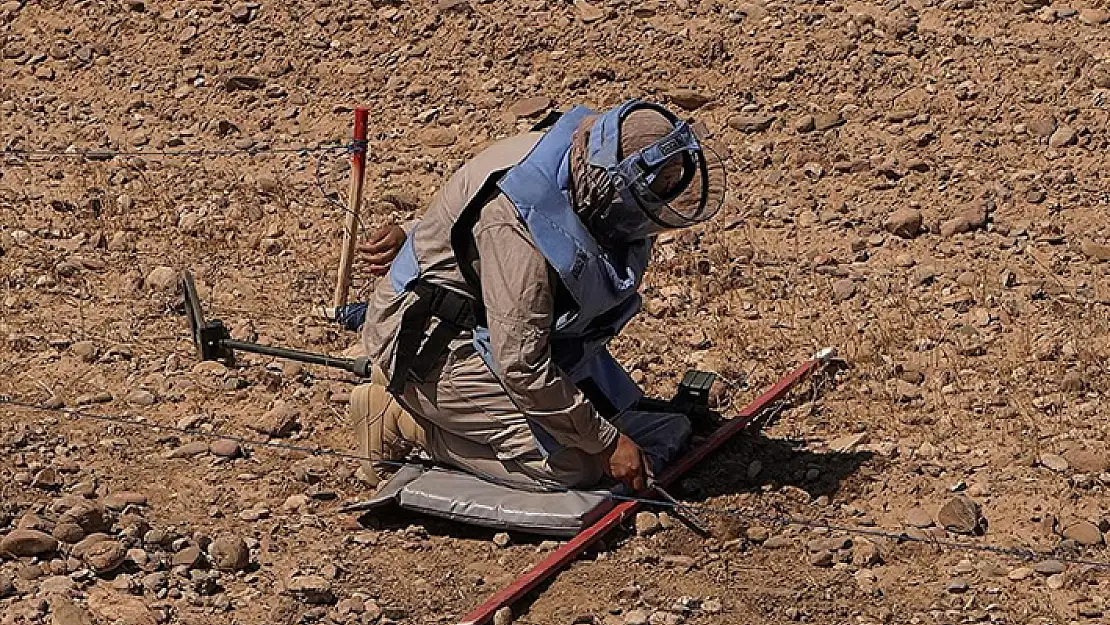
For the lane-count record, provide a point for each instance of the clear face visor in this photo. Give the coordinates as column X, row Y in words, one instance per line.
column 649, row 197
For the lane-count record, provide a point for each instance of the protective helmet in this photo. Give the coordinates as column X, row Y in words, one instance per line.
column 671, row 183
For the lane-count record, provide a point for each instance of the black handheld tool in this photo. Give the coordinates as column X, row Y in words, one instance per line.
column 214, row 342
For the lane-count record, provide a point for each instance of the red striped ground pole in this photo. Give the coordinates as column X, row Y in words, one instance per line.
column 570, row 550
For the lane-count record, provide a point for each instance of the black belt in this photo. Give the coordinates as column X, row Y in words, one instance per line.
column 416, row 355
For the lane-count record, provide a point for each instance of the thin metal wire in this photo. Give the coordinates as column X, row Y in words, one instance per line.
column 106, row 154
column 774, row 519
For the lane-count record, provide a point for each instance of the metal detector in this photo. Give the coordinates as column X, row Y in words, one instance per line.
column 214, row 342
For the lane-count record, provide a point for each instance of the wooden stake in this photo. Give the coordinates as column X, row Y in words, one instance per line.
column 354, row 201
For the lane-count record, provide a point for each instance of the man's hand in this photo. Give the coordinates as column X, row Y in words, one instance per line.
column 381, row 249
column 626, row 463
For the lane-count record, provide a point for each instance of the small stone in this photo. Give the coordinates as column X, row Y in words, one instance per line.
column 827, row 121
column 241, row 14
column 189, row 450
column 80, row 549
column 161, row 279
column 904, row 222
column 961, row 515
column 294, row 503
column 47, row 479
column 69, row 533
column 122, row 499
column 958, row 586
column 1072, row 382
column 750, row 123
column 1089, row 249
column 530, row 107
column 85, row 350
column 636, row 617
column 1019, row 573
column 279, row 421
column 1089, row 610
column 806, row 123
column 647, row 523
column 229, row 554
column 843, row 290
column 88, row 515
column 666, row 521
column 141, row 397
column 63, row 611
column 1054, row 462
column 1055, row 582
column 24, row 542
column 503, row 616
column 866, row 553
column 688, row 99
column 919, row 517
column 1049, row 567
column 246, row 83
column 847, row 443
column 440, row 137
column 712, row 606
column 225, row 448
column 1087, row 461
column 685, row 563
column 822, row 558
column 1084, row 533
column 588, row 12
column 501, row 540
column 1094, row 17
column 970, row 219
column 757, row 534
column 93, row 398
column 311, row 589
column 105, row 556
column 778, row 542
column 189, row 557
column 1061, row 137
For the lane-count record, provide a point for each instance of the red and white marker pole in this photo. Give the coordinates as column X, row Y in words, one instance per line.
column 571, row 549
column 354, row 201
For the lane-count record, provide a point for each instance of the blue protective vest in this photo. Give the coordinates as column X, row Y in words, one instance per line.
column 599, row 294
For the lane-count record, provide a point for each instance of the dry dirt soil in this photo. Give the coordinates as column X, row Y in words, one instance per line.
column 920, row 184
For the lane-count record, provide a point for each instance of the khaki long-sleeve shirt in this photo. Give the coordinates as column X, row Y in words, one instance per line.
column 518, row 287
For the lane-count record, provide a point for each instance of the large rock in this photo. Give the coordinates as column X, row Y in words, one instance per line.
column 23, row 543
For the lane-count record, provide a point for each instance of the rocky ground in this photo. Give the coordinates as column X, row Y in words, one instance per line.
column 921, row 184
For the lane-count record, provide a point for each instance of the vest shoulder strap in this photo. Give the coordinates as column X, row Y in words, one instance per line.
column 462, row 237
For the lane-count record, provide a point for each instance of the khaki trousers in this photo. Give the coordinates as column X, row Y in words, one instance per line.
column 470, row 423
